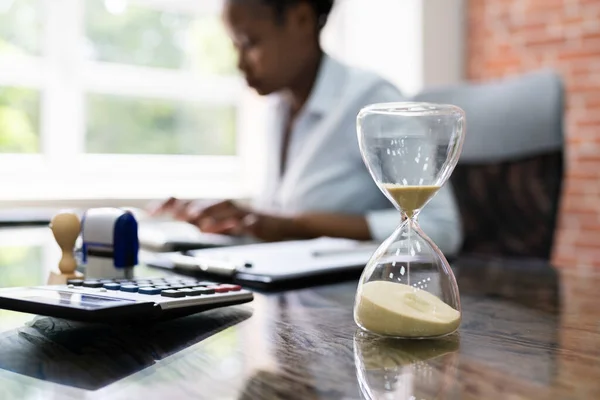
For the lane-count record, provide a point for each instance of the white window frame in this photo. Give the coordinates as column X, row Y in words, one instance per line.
column 62, row 170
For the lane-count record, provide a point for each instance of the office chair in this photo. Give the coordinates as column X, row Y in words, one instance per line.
column 509, row 177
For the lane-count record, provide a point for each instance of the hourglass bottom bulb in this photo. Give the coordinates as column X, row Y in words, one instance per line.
column 399, row 310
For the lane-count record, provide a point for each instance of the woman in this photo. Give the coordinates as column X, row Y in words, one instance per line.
column 317, row 183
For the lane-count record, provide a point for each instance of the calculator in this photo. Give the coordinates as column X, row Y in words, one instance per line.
column 123, row 301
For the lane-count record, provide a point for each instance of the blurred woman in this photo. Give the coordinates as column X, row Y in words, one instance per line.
column 317, row 183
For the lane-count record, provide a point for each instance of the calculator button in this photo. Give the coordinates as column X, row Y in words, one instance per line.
column 75, row 282
column 233, row 288
column 162, row 287
column 205, row 283
column 112, row 286
column 106, row 280
column 149, row 290
column 220, row 289
column 172, row 293
column 202, row 291
column 187, row 291
column 122, row 281
column 129, row 288
column 196, row 291
column 143, row 282
column 93, row 284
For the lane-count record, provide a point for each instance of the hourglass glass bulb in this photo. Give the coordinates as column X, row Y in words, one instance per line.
column 407, row 288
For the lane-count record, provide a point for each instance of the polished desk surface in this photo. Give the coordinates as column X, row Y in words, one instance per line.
column 528, row 331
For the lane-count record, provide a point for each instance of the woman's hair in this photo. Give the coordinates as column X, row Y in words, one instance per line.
column 322, row 8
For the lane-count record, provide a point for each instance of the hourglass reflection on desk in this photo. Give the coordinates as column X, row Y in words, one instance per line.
column 408, row 289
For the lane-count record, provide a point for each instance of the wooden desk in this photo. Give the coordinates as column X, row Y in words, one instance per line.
column 527, row 332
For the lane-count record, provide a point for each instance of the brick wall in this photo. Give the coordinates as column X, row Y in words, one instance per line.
column 508, row 37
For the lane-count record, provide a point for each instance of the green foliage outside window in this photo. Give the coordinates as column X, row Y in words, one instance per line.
column 130, row 35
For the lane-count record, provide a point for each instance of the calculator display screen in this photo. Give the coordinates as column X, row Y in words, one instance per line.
column 76, row 300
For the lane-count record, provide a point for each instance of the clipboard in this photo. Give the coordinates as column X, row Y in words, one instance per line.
column 271, row 264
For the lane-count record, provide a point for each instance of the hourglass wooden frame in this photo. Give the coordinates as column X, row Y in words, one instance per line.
column 408, row 289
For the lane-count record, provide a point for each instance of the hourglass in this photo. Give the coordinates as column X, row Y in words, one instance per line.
column 407, row 288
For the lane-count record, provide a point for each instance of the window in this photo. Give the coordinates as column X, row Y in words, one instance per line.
column 118, row 98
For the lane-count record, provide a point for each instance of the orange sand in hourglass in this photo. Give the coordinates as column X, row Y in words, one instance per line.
column 410, row 198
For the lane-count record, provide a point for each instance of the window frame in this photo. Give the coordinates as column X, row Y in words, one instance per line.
column 62, row 169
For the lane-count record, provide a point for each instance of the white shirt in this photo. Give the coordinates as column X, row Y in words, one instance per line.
column 324, row 169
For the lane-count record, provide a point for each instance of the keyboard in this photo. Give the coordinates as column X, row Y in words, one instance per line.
column 124, row 301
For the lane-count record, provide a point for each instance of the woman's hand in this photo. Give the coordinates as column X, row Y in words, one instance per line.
column 229, row 218
column 226, row 217
column 177, row 208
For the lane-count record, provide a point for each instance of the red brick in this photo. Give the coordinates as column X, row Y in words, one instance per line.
column 560, row 261
column 592, row 157
column 533, row 27
column 579, row 174
column 542, row 7
column 584, row 173
column 574, row 225
column 591, row 35
column 588, row 240
column 588, row 122
column 587, row 5
column 583, row 88
column 589, row 255
column 582, row 78
column 592, row 100
column 535, row 41
column 589, row 225
column 577, row 54
column 580, row 205
column 584, row 67
column 590, row 45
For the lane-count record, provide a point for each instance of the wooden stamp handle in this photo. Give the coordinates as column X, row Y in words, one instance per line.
column 65, row 227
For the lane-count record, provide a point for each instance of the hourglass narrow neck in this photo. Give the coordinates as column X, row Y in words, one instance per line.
column 413, row 216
